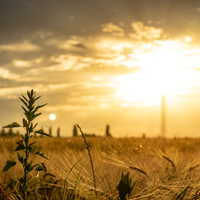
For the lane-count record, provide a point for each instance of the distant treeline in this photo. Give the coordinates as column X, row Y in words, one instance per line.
column 107, row 132
column 8, row 133
column 75, row 133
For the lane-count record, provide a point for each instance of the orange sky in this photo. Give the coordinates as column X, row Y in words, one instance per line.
column 96, row 69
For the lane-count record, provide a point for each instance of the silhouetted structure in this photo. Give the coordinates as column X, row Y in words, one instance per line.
column 108, row 134
column 163, row 120
column 50, row 131
column 58, row 132
column 10, row 132
column 17, row 133
column 3, row 132
column 75, row 131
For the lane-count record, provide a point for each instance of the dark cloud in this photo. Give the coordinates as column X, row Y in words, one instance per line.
column 20, row 19
column 79, row 45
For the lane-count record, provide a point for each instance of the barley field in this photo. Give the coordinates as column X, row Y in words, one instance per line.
column 159, row 168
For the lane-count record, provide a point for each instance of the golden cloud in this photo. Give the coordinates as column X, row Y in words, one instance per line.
column 112, row 28
column 20, row 47
column 145, row 32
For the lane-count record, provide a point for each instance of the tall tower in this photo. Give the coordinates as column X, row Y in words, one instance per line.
column 163, row 120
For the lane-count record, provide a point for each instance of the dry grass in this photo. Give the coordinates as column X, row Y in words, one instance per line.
column 163, row 168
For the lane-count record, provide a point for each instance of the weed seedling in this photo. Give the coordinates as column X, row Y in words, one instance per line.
column 24, row 145
column 125, row 186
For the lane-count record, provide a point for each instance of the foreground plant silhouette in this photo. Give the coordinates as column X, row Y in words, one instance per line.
column 25, row 145
column 125, row 186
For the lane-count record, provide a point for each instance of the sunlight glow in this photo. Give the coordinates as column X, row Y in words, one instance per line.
column 52, row 117
column 188, row 39
column 149, row 85
column 163, row 71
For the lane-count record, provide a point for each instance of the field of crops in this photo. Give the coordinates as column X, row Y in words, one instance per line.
column 159, row 168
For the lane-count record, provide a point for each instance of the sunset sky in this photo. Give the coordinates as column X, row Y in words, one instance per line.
column 98, row 62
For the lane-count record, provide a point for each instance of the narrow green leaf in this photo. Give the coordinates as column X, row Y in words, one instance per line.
column 29, row 165
column 9, row 164
column 31, row 162
column 20, row 146
column 21, row 180
column 43, row 165
column 37, row 98
column 48, row 174
column 25, row 188
column 38, row 107
column 32, row 148
column 32, row 92
column 31, row 144
column 41, row 154
column 42, row 132
column 32, row 167
column 39, row 168
column 31, row 102
column 33, row 116
column 13, row 125
column 29, row 94
column 20, row 158
column 11, row 184
column 25, row 103
column 35, row 125
column 25, row 123
column 32, row 107
column 31, row 128
column 23, row 138
column 25, row 111
column 27, row 179
column 24, row 98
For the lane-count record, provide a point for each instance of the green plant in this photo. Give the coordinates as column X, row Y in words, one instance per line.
column 125, row 187
column 30, row 112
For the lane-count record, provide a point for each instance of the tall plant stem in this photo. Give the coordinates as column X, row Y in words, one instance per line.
column 87, row 147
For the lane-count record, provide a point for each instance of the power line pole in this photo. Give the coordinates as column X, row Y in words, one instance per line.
column 163, row 120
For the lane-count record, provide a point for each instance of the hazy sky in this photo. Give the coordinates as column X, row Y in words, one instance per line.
column 103, row 62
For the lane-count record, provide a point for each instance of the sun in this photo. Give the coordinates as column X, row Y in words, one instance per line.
column 188, row 39
column 52, row 117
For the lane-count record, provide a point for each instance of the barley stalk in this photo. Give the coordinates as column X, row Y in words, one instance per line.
column 169, row 160
column 87, row 147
